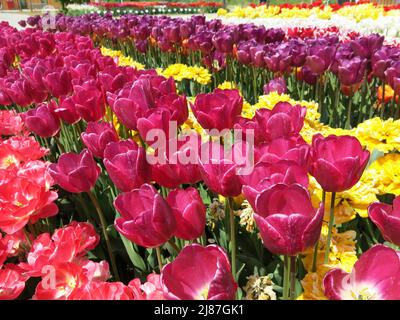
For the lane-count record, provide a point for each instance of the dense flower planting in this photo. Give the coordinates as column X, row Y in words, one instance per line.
column 93, row 206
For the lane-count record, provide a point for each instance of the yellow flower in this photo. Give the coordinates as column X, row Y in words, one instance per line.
column 384, row 174
column 200, row 75
column 222, row 12
column 382, row 135
column 227, row 85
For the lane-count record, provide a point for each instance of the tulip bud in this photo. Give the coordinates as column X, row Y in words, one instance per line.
column 97, row 136
column 42, row 121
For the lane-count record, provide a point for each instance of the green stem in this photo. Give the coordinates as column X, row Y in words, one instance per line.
column 233, row 236
column 315, row 256
column 286, row 280
column 174, row 246
column 293, row 277
column 159, row 258
column 105, row 234
column 330, row 226
column 349, row 110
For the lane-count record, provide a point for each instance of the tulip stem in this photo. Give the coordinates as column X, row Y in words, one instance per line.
column 330, row 226
column 315, row 256
column 174, row 246
column 159, row 258
column 349, row 110
column 228, row 203
column 293, row 277
column 286, row 272
column 105, row 234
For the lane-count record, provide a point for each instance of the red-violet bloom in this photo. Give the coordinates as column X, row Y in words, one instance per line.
column 287, row 221
column 146, row 218
column 387, row 219
column 189, row 211
column 42, row 121
column 218, row 110
column 89, row 101
column 337, row 162
column 126, row 164
column 199, row 273
column 375, row 276
column 97, row 135
column 278, row 85
column 75, row 173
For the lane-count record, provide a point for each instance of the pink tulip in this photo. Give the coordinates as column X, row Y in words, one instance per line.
column 199, row 273
column 66, row 110
column 89, row 101
column 75, row 172
column 375, row 276
column 189, row 211
column 42, row 121
column 126, row 164
column 266, row 175
column 337, row 162
column 387, row 219
column 220, row 172
column 218, row 110
column 97, row 136
column 146, row 218
column 177, row 105
column 287, row 221
column 58, row 83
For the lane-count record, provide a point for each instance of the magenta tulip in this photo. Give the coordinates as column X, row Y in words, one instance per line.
column 287, row 221
column 66, row 110
column 126, row 164
column 89, row 101
column 189, row 211
column 199, row 273
column 337, row 162
column 75, row 172
column 375, row 276
column 42, row 121
column 266, row 175
column 97, row 135
column 387, row 219
column 146, row 218
column 58, row 83
column 218, row 110
column 276, row 85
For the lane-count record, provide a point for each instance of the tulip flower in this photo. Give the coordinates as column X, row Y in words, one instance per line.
column 337, row 162
column 351, row 72
column 375, row 276
column 126, row 164
column 75, row 173
column 11, row 284
column 89, row 101
column 189, row 211
column 278, row 85
column 387, row 219
column 97, row 135
column 287, row 221
column 199, row 273
column 42, row 121
column 320, row 58
column 219, row 172
column 58, row 83
column 146, row 218
column 66, row 110
column 218, row 110
column 266, row 175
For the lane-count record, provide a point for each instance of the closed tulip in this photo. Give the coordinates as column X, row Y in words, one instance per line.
column 337, row 162
column 276, row 85
column 375, row 276
column 58, row 82
column 146, row 218
column 387, row 219
column 126, row 164
column 189, row 211
column 75, row 173
column 218, row 110
column 97, row 135
column 199, row 273
column 42, row 121
column 287, row 221
column 89, row 101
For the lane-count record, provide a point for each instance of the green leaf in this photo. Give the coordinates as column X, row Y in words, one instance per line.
column 375, row 155
column 136, row 259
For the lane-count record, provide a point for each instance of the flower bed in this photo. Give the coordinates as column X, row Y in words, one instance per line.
column 306, row 194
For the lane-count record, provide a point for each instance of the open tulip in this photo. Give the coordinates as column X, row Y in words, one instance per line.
column 189, row 211
column 75, row 173
column 278, row 85
column 199, row 273
column 97, row 135
column 146, row 218
column 375, row 276
column 126, row 164
column 337, row 162
column 387, row 219
column 11, row 284
column 287, row 221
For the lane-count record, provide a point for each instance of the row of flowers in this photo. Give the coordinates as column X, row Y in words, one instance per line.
column 91, row 118
column 352, row 78
column 153, row 7
column 353, row 10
